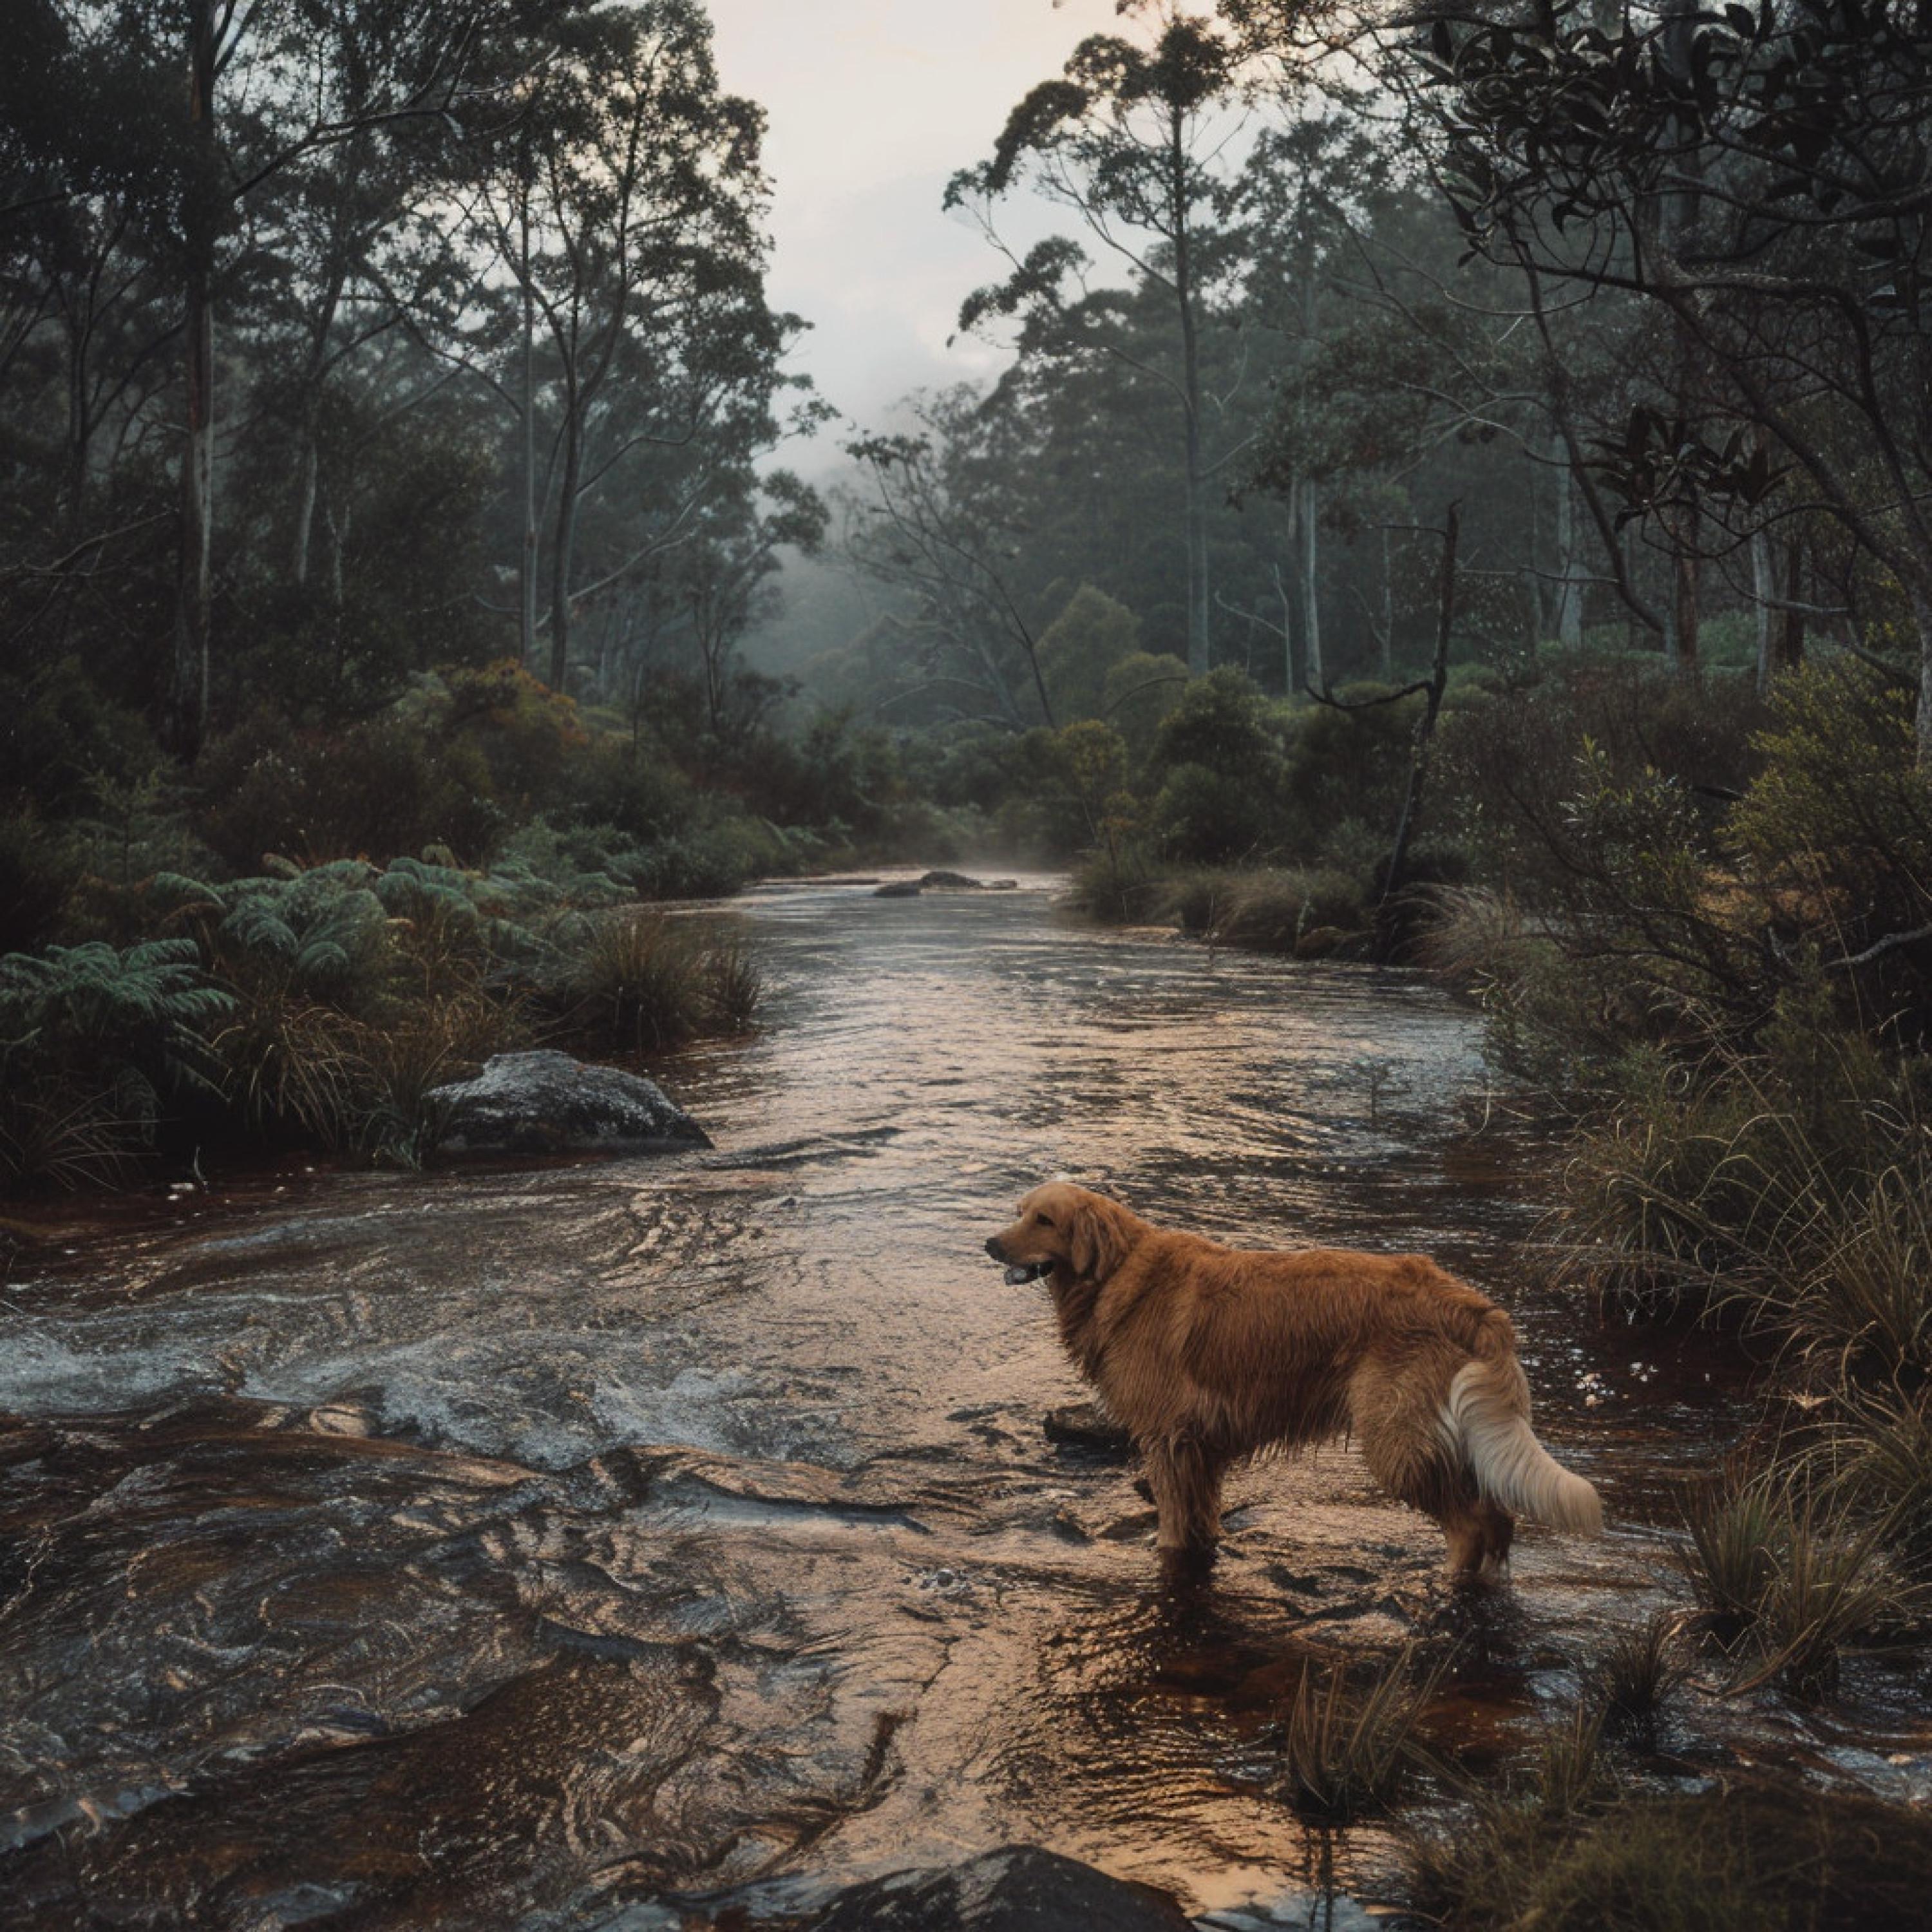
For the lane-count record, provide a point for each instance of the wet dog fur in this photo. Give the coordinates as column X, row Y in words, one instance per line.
column 1206, row 1355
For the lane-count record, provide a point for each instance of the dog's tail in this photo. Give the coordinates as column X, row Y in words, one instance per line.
column 1488, row 1411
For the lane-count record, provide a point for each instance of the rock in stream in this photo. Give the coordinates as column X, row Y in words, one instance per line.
column 547, row 1102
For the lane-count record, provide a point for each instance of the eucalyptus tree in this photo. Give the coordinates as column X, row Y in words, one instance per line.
column 627, row 326
column 269, row 82
column 939, row 524
column 1791, row 148
column 1133, row 138
column 723, row 576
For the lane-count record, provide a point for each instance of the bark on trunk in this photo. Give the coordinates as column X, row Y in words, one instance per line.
column 1921, row 612
column 1198, row 648
column 1684, row 612
column 187, row 702
column 1569, row 593
column 1420, row 745
column 1316, row 672
column 1790, row 648
column 564, row 546
column 1764, row 588
column 526, row 573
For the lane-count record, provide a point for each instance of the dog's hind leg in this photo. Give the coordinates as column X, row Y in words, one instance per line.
column 1406, row 1454
column 1185, row 1479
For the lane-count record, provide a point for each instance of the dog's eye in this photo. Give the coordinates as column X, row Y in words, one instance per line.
column 1045, row 1220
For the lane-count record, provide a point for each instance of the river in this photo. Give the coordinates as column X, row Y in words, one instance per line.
column 592, row 1544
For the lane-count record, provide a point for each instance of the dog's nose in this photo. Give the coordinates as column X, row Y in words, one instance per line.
column 993, row 1248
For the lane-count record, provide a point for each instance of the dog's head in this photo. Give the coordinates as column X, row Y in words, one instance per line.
column 1064, row 1230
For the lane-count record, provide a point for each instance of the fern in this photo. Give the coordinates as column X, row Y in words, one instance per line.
column 138, row 1016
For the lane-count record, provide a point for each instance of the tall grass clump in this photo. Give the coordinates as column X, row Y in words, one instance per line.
column 1350, row 1741
column 1786, row 1580
column 650, row 980
column 1636, row 1671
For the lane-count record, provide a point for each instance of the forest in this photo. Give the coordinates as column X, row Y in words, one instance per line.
column 1456, row 494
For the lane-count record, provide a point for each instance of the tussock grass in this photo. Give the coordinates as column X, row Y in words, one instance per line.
column 1762, row 1859
column 651, row 980
column 1350, row 1742
column 1786, row 1579
column 1637, row 1671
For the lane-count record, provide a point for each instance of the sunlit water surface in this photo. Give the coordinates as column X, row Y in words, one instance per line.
column 539, row 1547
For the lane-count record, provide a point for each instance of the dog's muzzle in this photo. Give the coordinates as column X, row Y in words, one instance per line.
column 1018, row 1274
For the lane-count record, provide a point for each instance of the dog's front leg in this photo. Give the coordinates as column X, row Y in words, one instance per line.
column 1186, row 1485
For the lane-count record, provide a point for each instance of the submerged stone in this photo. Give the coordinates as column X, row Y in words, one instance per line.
column 547, row 1102
column 1018, row 1889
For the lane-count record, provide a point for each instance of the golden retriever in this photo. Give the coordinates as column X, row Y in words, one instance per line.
column 1206, row 1354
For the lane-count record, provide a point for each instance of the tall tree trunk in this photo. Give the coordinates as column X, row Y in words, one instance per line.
column 1921, row 612
column 1790, row 647
column 187, row 701
column 1764, row 589
column 564, row 543
column 1420, row 744
column 1288, row 664
column 1315, row 670
column 526, row 573
column 1199, row 650
column 311, row 469
column 1388, row 613
column 1569, row 563
column 1684, row 607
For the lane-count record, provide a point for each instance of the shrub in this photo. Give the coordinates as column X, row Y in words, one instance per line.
column 36, row 876
column 1204, row 815
column 388, row 787
column 1079, row 649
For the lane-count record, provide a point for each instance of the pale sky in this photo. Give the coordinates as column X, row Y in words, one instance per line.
column 872, row 105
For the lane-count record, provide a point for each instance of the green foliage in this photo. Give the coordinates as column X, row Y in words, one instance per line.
column 1141, row 692
column 94, row 1041
column 149, row 1006
column 386, row 786
column 36, row 877
column 1223, row 723
column 1205, row 815
column 1081, row 650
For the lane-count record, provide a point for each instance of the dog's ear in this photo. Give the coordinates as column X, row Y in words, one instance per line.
column 1099, row 1241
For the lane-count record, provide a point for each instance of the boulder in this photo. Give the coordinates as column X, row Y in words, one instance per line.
column 899, row 889
column 1018, row 1889
column 951, row 882
column 549, row 1103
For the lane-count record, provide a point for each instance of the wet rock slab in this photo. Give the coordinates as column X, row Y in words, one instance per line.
column 547, row 1102
column 1017, row 1888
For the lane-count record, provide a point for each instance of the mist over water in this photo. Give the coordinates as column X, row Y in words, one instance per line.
column 525, row 1547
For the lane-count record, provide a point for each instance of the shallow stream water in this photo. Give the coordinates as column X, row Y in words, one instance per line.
column 616, row 1545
